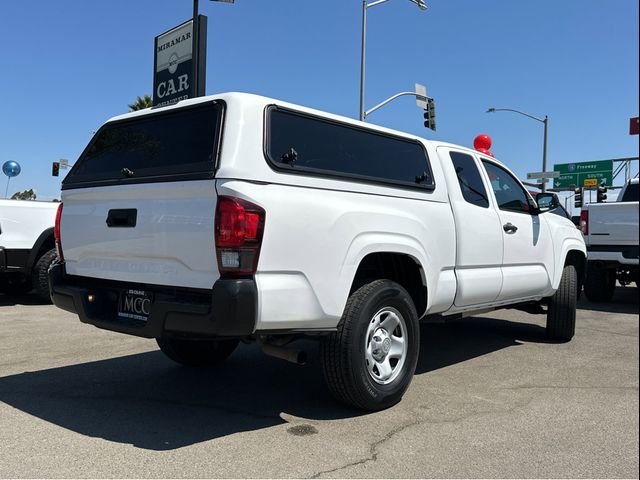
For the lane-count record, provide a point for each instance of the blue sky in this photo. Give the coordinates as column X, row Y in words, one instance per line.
column 69, row 65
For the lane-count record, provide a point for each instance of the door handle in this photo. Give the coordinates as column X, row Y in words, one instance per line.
column 122, row 218
column 510, row 228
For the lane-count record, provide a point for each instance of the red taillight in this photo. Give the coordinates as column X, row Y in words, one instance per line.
column 56, row 232
column 584, row 222
column 238, row 235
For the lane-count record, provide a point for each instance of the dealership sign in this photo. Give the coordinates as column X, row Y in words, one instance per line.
column 583, row 174
column 177, row 65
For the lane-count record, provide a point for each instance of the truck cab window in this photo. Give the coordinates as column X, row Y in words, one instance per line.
column 508, row 192
column 469, row 179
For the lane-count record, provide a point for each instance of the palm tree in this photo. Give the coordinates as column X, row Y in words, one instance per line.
column 26, row 195
column 141, row 103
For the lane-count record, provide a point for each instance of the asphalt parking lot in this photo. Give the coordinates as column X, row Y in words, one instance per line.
column 491, row 398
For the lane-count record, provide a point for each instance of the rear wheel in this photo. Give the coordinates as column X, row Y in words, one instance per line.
column 40, row 274
column 197, row 353
column 600, row 284
column 370, row 360
column 561, row 315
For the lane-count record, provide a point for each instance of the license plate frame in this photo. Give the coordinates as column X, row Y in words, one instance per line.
column 135, row 304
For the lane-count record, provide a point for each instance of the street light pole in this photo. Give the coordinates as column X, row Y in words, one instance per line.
column 544, row 152
column 365, row 6
column 419, row 97
column 545, row 122
column 197, row 79
column 362, row 53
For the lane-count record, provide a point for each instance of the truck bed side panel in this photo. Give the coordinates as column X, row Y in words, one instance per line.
column 314, row 240
column 22, row 222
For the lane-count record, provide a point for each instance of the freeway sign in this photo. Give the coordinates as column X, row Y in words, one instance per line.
column 583, row 174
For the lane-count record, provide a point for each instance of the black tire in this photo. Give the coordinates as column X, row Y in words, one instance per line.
column 600, row 283
column 561, row 315
column 40, row 274
column 342, row 353
column 197, row 353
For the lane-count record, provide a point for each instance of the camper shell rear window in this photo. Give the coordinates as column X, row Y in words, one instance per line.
column 174, row 145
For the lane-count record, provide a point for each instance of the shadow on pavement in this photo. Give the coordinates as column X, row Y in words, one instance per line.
column 22, row 299
column 445, row 344
column 147, row 401
column 625, row 300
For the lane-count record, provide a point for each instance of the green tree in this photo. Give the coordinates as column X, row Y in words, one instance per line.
column 26, row 195
column 141, row 103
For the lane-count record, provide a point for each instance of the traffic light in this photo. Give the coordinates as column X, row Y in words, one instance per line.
column 602, row 193
column 578, row 197
column 430, row 114
column 55, row 169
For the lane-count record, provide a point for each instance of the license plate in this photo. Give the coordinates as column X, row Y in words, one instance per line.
column 135, row 304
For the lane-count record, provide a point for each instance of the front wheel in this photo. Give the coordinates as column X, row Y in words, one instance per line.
column 197, row 353
column 370, row 360
column 561, row 315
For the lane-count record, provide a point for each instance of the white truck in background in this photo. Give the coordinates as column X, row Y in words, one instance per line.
column 238, row 217
column 27, row 246
column 611, row 233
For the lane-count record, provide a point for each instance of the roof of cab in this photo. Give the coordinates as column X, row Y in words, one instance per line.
column 241, row 97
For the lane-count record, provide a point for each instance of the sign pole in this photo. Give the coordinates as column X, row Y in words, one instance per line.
column 196, row 43
column 544, row 152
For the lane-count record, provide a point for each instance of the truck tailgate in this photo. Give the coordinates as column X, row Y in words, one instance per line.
column 139, row 204
column 613, row 223
column 159, row 233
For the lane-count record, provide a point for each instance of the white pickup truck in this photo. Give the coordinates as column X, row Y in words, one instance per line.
column 27, row 247
column 242, row 217
column 611, row 234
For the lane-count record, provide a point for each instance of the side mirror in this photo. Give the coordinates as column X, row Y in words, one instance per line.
column 547, row 201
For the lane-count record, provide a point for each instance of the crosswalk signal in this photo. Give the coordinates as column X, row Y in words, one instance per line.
column 55, row 169
column 430, row 115
column 602, row 193
column 578, row 197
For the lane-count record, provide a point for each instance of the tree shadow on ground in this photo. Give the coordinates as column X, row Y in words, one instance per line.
column 147, row 401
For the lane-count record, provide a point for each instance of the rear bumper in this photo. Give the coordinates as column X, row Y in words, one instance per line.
column 623, row 255
column 229, row 309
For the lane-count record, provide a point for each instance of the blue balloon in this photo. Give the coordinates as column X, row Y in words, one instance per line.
column 11, row 168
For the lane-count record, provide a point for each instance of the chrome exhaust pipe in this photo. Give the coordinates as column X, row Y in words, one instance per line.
column 299, row 357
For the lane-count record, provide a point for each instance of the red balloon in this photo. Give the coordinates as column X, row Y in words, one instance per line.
column 482, row 141
column 483, row 150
